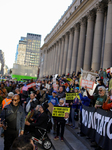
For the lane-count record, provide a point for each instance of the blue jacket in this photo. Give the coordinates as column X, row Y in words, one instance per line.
column 76, row 103
column 85, row 100
column 53, row 100
column 20, row 119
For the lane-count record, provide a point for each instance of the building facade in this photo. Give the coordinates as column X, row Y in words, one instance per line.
column 82, row 38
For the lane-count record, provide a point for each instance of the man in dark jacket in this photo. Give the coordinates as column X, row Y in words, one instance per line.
column 14, row 117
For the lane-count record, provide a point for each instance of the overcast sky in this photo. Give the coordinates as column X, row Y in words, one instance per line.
column 19, row 17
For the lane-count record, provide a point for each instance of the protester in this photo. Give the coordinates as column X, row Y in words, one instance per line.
column 32, row 103
column 3, row 91
column 101, row 73
column 60, row 122
column 38, row 96
column 7, row 100
column 100, row 83
column 23, row 142
column 14, row 117
column 61, row 93
column 74, row 108
column 84, row 100
column 99, row 99
column 106, row 105
column 41, row 120
column 52, row 98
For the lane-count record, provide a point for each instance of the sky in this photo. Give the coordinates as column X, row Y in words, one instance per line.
column 19, row 17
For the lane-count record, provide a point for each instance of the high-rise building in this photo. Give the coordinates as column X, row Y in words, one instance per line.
column 28, row 50
column 27, row 56
column 32, row 57
column 21, row 52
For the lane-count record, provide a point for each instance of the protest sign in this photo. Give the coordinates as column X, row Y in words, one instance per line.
column 91, row 91
column 88, row 79
column 108, row 70
column 97, row 124
column 60, row 111
column 50, row 108
column 31, row 85
column 25, row 88
column 47, row 86
column 54, row 79
column 70, row 97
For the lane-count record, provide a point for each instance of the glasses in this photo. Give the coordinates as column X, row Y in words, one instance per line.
column 15, row 100
column 100, row 90
column 61, row 102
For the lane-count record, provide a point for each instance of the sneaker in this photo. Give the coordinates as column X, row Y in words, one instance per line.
column 61, row 139
column 56, row 138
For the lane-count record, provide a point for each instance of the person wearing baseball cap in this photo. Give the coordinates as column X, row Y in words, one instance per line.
column 52, row 98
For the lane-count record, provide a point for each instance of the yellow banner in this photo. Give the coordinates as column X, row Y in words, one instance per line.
column 69, row 79
column 60, row 111
column 71, row 96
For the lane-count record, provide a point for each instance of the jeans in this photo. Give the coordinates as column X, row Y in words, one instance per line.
column 75, row 123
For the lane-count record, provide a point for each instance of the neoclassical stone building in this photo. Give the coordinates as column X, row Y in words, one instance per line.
column 82, row 38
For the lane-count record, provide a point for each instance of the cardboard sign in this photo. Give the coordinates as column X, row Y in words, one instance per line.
column 60, row 111
column 71, row 96
column 88, row 79
column 50, row 108
column 55, row 86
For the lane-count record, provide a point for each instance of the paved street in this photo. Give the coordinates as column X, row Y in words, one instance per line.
column 72, row 141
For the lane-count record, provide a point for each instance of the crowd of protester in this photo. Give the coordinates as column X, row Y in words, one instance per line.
column 47, row 90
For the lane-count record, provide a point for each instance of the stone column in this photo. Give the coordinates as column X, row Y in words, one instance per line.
column 97, row 48
column 50, row 60
column 47, row 62
column 54, row 58
column 108, row 42
column 82, row 40
column 58, row 58
column 75, row 47
column 44, row 65
column 89, row 41
column 61, row 56
column 69, row 57
column 65, row 54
